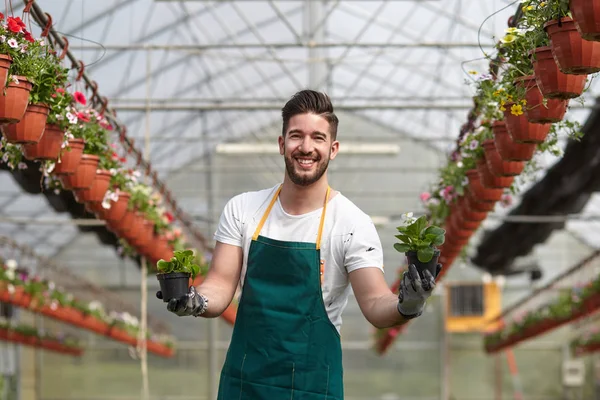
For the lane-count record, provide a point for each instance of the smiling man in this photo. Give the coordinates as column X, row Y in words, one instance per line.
column 296, row 248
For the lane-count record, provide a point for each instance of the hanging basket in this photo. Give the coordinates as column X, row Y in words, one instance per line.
column 69, row 158
column 117, row 208
column 95, row 193
column 572, row 54
column 5, row 63
column 30, row 128
column 507, row 148
column 480, row 192
column 552, row 82
column 586, row 15
column 48, row 147
column 84, row 175
column 539, row 110
column 489, row 180
column 467, row 213
column 14, row 100
column 497, row 165
column 523, row 131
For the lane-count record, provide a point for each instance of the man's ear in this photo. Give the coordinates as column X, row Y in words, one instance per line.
column 335, row 147
column 281, row 142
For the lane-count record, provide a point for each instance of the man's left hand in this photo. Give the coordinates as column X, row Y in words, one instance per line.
column 415, row 291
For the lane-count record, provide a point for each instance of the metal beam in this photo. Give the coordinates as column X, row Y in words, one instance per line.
column 276, row 45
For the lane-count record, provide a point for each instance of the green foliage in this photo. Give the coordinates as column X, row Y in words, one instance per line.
column 48, row 76
column 416, row 235
column 182, row 261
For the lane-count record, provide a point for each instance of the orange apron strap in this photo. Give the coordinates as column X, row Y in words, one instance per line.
column 266, row 214
column 322, row 223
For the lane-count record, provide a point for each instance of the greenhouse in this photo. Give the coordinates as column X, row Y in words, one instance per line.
column 299, row 199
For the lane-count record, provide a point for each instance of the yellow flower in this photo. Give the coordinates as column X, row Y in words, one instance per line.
column 502, row 108
column 509, row 38
column 510, row 30
column 516, row 109
column 473, row 72
column 524, row 102
column 543, row 4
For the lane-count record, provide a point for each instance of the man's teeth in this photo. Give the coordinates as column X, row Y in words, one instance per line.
column 306, row 162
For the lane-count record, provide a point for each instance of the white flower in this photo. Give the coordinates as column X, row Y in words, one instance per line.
column 72, row 118
column 22, row 165
column 51, row 285
column 10, row 274
column 11, row 289
column 13, row 43
column 95, row 305
column 11, row 264
column 2, row 38
column 54, row 305
column 15, row 80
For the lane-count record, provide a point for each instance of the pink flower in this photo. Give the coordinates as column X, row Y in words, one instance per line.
column 506, row 200
column 80, row 98
column 425, row 196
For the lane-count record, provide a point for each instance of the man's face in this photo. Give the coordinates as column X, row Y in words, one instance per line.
column 307, row 148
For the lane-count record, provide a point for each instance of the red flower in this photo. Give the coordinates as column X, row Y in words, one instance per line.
column 80, row 98
column 169, row 216
column 115, row 156
column 1, row 16
column 83, row 117
column 14, row 26
column 29, row 38
column 60, row 90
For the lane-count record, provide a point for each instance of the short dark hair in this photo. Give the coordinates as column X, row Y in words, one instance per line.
column 310, row 102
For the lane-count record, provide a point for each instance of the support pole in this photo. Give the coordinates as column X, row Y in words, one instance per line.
column 213, row 327
column 313, row 33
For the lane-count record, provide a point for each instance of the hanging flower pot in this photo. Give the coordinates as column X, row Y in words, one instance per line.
column 145, row 233
column 586, row 15
column 489, row 180
column 96, row 192
column 14, row 100
column 48, row 147
column 69, row 157
column 130, row 223
column 520, row 129
column 117, row 208
column 469, row 214
column 84, row 175
column 461, row 223
column 5, row 63
column 553, row 83
column 537, row 109
column 507, row 148
column 573, row 54
column 480, row 192
column 497, row 165
column 30, row 128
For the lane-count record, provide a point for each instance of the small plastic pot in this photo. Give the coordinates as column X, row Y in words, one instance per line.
column 173, row 285
column 430, row 266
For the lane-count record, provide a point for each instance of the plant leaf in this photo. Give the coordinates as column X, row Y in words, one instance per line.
column 425, row 254
column 404, row 238
column 401, row 247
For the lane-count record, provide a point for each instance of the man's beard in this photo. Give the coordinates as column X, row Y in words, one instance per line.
column 303, row 179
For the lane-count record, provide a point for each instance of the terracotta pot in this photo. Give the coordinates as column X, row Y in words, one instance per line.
column 84, row 174
column 480, row 192
column 48, row 147
column 507, row 148
column 572, row 54
column 69, row 158
column 128, row 224
column 523, row 131
column 459, row 222
column 30, row 128
column 14, row 103
column 552, row 82
column 117, row 209
column 497, row 165
column 489, row 180
column 5, row 63
column 473, row 203
column 586, row 15
column 469, row 214
column 539, row 110
column 143, row 234
column 94, row 207
column 96, row 192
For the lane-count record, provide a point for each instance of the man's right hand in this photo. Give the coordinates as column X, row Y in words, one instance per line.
column 191, row 304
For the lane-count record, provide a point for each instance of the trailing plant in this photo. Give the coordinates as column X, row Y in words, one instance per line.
column 20, row 45
column 416, row 235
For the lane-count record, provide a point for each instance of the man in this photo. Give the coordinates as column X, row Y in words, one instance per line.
column 295, row 248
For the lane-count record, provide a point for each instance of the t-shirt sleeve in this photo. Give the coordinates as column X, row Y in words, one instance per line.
column 364, row 248
column 229, row 230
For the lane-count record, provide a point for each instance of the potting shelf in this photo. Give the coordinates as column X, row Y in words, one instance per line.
column 75, row 317
column 589, row 306
column 9, row 335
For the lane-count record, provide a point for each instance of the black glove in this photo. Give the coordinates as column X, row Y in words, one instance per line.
column 415, row 291
column 192, row 304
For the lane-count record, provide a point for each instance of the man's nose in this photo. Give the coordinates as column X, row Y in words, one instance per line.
column 306, row 146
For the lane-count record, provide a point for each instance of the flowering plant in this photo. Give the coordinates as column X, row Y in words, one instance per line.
column 20, row 45
column 11, row 154
column 48, row 75
column 416, row 235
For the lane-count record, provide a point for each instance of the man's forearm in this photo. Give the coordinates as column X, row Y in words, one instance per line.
column 383, row 312
column 218, row 294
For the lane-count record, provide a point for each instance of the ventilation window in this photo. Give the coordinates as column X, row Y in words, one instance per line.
column 466, row 301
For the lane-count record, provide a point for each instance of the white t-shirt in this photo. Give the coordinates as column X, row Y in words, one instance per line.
column 349, row 240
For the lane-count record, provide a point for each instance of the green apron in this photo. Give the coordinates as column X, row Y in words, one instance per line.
column 283, row 347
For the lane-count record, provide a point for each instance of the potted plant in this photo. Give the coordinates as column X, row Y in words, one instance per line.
column 174, row 276
column 418, row 243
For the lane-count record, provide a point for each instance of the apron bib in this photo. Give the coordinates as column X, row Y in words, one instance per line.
column 283, row 346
